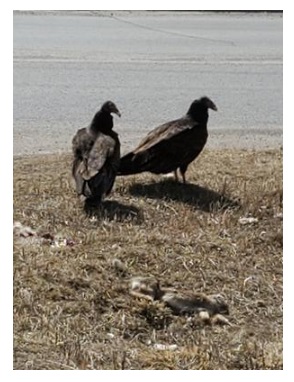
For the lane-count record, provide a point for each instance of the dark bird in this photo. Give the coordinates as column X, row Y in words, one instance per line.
column 171, row 146
column 96, row 151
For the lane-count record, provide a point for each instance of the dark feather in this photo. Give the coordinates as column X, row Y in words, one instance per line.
column 96, row 151
column 171, row 146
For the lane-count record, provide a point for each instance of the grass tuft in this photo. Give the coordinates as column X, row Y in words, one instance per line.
column 221, row 233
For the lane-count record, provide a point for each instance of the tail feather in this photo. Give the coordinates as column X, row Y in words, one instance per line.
column 129, row 164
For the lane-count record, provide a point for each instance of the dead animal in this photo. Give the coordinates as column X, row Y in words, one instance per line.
column 208, row 307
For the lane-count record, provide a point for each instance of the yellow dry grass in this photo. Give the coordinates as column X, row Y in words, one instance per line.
column 72, row 309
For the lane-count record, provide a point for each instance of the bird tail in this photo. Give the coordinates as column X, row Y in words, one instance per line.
column 101, row 184
column 130, row 164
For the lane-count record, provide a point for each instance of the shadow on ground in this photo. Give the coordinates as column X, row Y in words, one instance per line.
column 113, row 210
column 196, row 196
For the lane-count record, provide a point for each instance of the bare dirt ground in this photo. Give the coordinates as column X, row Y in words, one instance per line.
column 221, row 233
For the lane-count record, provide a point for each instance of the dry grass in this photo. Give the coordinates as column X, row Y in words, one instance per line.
column 72, row 309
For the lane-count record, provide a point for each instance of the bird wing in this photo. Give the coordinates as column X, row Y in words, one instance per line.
column 164, row 132
column 103, row 148
column 82, row 142
column 165, row 148
column 76, row 141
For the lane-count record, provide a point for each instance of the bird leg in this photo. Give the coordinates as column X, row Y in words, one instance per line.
column 183, row 170
column 182, row 174
column 184, row 178
column 176, row 175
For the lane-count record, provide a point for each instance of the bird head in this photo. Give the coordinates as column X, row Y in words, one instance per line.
column 200, row 105
column 110, row 107
column 207, row 102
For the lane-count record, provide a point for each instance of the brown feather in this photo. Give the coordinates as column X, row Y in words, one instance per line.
column 96, row 151
column 171, row 146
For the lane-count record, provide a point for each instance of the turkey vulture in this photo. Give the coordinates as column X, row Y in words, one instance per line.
column 171, row 146
column 96, row 151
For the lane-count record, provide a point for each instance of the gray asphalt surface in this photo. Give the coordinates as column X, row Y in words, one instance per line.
column 152, row 66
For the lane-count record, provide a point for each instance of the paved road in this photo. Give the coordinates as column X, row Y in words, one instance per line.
column 152, row 66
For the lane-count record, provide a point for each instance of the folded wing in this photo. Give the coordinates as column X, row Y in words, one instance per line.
column 96, row 172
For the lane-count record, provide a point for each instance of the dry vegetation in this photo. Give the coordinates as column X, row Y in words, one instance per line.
column 72, row 307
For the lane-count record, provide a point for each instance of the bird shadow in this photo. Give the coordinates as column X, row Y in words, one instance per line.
column 196, row 196
column 113, row 210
